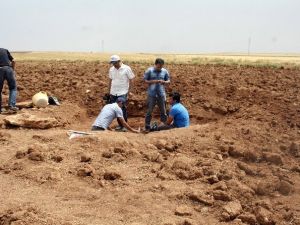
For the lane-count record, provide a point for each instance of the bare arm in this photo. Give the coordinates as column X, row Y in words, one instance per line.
column 170, row 120
column 109, row 85
column 123, row 122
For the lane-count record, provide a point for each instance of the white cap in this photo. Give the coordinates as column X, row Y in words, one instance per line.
column 115, row 58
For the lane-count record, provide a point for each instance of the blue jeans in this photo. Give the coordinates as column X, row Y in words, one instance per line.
column 113, row 99
column 160, row 101
column 7, row 73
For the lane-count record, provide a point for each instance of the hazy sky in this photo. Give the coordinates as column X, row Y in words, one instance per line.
column 179, row 26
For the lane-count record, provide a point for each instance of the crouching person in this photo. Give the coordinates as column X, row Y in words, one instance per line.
column 178, row 116
column 110, row 112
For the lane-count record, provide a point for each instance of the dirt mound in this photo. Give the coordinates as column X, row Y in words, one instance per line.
column 237, row 164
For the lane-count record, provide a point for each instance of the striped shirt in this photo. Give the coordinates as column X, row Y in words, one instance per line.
column 107, row 115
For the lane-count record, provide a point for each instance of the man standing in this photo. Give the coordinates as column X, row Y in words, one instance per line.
column 108, row 114
column 120, row 82
column 178, row 116
column 156, row 77
column 7, row 66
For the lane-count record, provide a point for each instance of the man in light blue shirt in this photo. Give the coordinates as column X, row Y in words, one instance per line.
column 178, row 116
column 156, row 77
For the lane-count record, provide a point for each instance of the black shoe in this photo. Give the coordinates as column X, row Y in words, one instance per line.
column 14, row 108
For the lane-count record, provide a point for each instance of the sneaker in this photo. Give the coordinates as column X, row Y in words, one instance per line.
column 13, row 108
column 118, row 128
column 154, row 126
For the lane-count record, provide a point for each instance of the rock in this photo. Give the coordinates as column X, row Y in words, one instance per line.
column 185, row 222
column 236, row 153
column 221, row 195
column 294, row 149
column 161, row 144
column 85, row 171
column 4, row 136
column 107, row 154
column 264, row 216
column 111, row 176
column 85, row 158
column 57, row 158
column 20, row 154
column 189, row 174
column 248, row 218
column 201, row 198
column 181, row 164
column 31, row 121
column 233, row 209
column 213, row 179
column 251, row 156
column 25, row 104
column 36, row 156
column 120, row 150
column 183, row 211
column 265, row 188
column 273, row 158
column 248, row 170
column 220, row 186
column 285, row 188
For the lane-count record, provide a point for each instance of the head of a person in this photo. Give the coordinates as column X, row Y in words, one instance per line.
column 121, row 101
column 115, row 60
column 158, row 64
column 174, row 98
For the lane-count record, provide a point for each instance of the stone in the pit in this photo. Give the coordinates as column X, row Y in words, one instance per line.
column 248, row 218
column 221, row 195
column 111, row 175
column 273, row 158
column 57, row 158
column 85, row 158
column 201, row 198
column 20, row 154
column 31, row 121
column 161, row 144
column 294, row 149
column 284, row 188
column 233, row 209
column 183, row 211
column 264, row 216
column 85, row 171
column 36, row 156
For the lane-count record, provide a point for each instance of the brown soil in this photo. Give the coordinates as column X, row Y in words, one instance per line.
column 238, row 163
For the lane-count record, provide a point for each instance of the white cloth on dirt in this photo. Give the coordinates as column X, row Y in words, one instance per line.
column 108, row 113
column 120, row 79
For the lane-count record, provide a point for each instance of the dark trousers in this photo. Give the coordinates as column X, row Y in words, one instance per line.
column 7, row 73
column 163, row 127
column 113, row 99
column 151, row 102
column 95, row 128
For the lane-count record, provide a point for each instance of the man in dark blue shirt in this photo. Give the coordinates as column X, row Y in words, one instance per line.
column 156, row 77
column 178, row 116
column 7, row 65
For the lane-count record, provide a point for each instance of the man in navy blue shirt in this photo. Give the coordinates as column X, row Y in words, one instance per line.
column 7, row 65
column 178, row 116
column 156, row 77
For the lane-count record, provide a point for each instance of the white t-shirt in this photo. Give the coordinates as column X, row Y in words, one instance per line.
column 120, row 79
column 107, row 115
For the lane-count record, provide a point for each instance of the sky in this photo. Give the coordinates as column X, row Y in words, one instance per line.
column 156, row 26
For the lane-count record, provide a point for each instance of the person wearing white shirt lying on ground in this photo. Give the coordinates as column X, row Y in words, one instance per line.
column 110, row 112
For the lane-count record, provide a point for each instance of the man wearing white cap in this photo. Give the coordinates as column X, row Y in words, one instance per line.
column 120, row 79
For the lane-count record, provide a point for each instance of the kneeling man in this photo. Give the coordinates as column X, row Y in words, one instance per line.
column 178, row 116
column 110, row 112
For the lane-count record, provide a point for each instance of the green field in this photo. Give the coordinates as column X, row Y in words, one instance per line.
column 274, row 60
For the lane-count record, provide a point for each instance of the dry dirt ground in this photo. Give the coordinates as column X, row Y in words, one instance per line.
column 238, row 163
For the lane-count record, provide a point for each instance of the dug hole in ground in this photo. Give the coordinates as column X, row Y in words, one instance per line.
column 238, row 163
